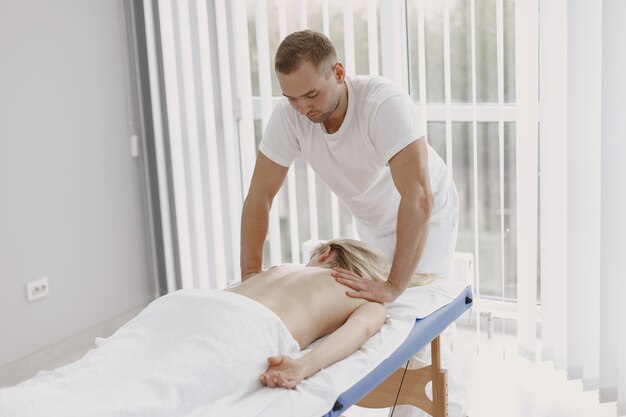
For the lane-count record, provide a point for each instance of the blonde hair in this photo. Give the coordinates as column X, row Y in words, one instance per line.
column 365, row 261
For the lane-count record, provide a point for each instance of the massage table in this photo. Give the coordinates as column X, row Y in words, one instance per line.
column 391, row 383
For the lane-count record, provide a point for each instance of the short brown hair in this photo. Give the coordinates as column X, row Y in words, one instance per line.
column 304, row 46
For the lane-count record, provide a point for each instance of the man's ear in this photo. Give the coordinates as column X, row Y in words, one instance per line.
column 340, row 72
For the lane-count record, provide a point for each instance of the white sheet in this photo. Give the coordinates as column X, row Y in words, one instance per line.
column 153, row 382
column 183, row 351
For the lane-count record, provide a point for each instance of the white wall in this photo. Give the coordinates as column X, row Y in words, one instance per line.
column 71, row 196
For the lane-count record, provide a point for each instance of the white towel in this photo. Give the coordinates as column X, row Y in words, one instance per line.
column 187, row 349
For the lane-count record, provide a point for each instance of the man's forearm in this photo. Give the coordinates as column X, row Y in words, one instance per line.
column 254, row 225
column 412, row 232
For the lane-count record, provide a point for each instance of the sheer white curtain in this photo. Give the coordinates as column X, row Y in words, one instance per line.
column 583, row 193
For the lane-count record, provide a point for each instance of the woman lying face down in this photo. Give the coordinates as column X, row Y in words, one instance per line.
column 201, row 349
column 312, row 304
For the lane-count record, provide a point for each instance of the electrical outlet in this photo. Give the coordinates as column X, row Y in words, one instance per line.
column 37, row 289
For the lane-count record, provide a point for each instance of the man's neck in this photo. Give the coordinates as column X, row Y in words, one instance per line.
column 333, row 124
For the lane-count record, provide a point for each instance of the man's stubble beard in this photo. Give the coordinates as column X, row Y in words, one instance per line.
column 326, row 115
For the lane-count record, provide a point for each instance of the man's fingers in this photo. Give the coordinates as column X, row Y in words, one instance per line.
column 345, row 272
column 341, row 277
column 356, row 283
column 358, row 294
column 349, row 282
column 361, row 288
column 362, row 294
column 345, row 278
column 340, row 273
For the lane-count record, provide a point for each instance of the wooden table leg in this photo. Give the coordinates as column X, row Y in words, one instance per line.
column 407, row 386
column 440, row 380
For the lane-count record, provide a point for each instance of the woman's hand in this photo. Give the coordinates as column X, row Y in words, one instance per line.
column 368, row 289
column 282, row 371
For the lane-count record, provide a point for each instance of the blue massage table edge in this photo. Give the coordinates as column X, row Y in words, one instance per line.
column 423, row 332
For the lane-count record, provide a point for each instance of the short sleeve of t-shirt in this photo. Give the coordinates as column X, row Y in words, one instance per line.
column 280, row 143
column 395, row 125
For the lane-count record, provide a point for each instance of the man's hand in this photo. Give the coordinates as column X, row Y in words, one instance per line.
column 371, row 290
column 283, row 372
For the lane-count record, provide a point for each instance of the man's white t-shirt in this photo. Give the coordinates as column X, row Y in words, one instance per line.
column 380, row 121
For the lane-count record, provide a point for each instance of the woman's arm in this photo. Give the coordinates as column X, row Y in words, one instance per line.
column 366, row 320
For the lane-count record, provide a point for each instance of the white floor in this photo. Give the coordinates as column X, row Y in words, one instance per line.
column 501, row 383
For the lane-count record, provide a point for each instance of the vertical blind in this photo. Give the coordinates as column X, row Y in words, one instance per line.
column 203, row 175
column 583, row 194
column 612, row 382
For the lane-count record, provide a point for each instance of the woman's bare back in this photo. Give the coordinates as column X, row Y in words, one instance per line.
column 308, row 300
